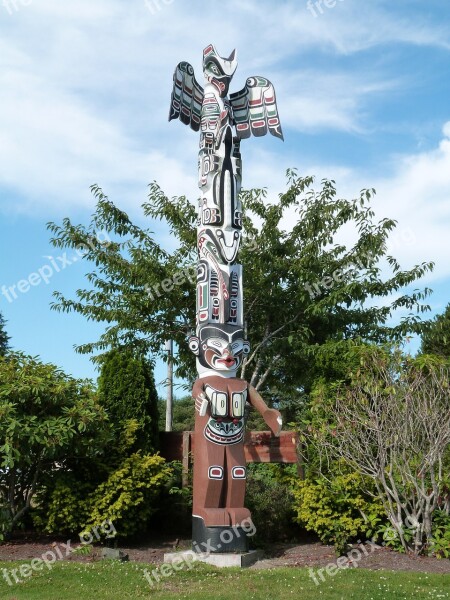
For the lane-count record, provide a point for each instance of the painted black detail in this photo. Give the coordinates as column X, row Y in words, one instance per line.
column 217, row 540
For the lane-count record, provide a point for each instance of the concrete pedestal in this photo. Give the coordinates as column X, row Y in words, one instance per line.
column 228, row 559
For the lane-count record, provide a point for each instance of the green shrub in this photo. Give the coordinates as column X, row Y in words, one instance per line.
column 440, row 546
column 130, row 495
column 336, row 509
column 5, row 521
column 46, row 419
column 440, row 536
column 63, row 508
column 174, row 516
column 269, row 498
column 126, row 388
column 122, row 482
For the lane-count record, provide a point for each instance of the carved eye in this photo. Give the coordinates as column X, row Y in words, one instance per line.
column 213, row 68
column 194, row 344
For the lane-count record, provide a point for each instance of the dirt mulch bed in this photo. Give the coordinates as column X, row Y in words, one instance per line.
column 316, row 555
column 305, row 554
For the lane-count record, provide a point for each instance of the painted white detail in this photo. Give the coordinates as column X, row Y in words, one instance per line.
column 204, row 372
column 239, row 399
column 219, row 404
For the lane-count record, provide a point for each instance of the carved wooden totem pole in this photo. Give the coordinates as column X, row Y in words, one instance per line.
column 219, row 344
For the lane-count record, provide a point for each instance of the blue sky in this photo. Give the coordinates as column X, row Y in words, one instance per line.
column 363, row 93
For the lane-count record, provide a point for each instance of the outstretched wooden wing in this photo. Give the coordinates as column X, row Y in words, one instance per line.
column 255, row 109
column 187, row 96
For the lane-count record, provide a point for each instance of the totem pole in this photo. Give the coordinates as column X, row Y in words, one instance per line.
column 219, row 344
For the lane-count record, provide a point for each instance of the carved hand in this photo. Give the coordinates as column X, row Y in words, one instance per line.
column 201, row 404
column 273, row 420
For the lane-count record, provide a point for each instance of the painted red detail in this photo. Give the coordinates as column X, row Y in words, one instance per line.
column 215, row 472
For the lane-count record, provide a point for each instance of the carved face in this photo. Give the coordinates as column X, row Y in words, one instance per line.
column 222, row 244
column 220, row 347
column 217, row 70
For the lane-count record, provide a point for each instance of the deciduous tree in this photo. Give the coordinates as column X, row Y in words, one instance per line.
column 303, row 287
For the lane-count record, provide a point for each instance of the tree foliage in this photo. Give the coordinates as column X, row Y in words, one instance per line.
column 45, row 418
column 127, row 390
column 303, row 287
column 4, row 338
column 436, row 337
column 183, row 415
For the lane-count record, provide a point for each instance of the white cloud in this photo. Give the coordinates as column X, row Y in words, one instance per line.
column 418, row 196
column 54, row 146
column 313, row 99
column 85, row 88
column 352, row 26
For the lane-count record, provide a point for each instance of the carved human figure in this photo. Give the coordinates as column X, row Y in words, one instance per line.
column 221, row 402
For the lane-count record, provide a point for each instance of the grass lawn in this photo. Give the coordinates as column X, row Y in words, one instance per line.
column 108, row 580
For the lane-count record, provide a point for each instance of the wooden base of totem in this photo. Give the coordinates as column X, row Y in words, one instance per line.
column 217, row 540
